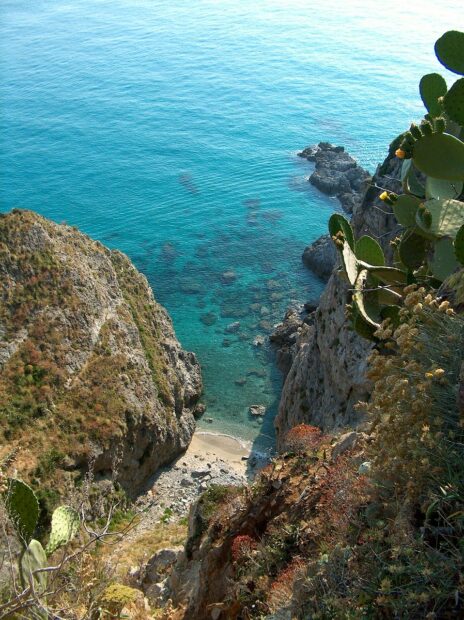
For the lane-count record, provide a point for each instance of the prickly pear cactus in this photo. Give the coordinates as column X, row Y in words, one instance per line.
column 432, row 86
column 450, row 51
column 23, row 508
column 440, row 155
column 65, row 525
column 459, row 245
column 444, row 260
column 453, row 102
column 369, row 251
column 446, row 217
column 33, row 558
column 430, row 247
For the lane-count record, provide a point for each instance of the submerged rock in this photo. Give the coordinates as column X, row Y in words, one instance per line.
column 233, row 310
column 208, row 319
column 228, row 277
column 190, row 286
column 232, row 328
column 257, row 410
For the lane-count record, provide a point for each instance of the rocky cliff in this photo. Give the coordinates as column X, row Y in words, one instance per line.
column 90, row 368
column 325, row 360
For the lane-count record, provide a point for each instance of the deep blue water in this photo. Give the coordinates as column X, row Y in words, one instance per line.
column 169, row 130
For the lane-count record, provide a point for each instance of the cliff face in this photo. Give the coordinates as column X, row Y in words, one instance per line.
column 90, row 368
column 328, row 361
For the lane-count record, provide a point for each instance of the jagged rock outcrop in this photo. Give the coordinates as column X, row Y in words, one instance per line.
column 336, row 173
column 90, row 368
column 328, row 361
column 321, row 257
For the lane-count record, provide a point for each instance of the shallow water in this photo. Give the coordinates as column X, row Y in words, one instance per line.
column 169, row 130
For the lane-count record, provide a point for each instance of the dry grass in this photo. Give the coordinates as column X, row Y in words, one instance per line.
column 135, row 550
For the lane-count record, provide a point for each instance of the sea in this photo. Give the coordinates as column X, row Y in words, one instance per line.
column 169, row 129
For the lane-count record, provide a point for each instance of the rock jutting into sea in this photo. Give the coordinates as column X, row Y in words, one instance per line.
column 320, row 257
column 336, row 174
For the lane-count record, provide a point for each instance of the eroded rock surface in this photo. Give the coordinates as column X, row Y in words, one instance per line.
column 337, row 173
column 326, row 360
column 321, row 257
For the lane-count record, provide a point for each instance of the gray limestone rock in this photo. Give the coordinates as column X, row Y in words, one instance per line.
column 326, row 359
column 321, row 257
column 337, row 174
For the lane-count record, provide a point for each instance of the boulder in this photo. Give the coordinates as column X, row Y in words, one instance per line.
column 209, row 318
column 228, row 277
column 257, row 410
column 232, row 328
column 344, row 443
column 337, row 174
column 321, row 257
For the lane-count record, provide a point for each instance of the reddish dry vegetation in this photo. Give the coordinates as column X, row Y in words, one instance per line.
column 303, row 437
column 262, row 538
column 242, row 546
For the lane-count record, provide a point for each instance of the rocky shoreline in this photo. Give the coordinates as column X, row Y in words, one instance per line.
column 210, row 459
column 337, row 174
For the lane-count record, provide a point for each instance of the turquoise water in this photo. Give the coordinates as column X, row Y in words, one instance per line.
column 169, row 130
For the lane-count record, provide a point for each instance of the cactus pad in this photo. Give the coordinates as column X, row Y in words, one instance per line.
column 438, row 188
column 405, row 209
column 412, row 250
column 431, row 87
column 444, row 260
column 446, row 217
column 337, row 223
column 23, row 508
column 65, row 525
column 454, row 102
column 350, row 263
column 388, row 275
column 367, row 306
column 369, row 251
column 410, row 183
column 365, row 330
column 459, row 245
column 33, row 558
column 440, row 155
column 450, row 51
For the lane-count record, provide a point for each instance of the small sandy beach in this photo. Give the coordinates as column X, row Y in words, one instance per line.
column 233, row 451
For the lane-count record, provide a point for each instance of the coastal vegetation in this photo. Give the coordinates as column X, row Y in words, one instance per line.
column 369, row 524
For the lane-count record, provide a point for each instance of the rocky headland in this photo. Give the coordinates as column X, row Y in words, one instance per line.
column 91, row 373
